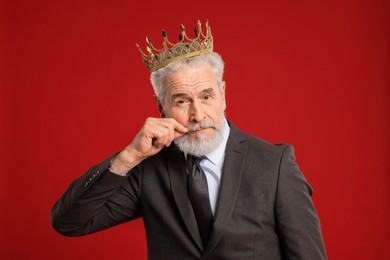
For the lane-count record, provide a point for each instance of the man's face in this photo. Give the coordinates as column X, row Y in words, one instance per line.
column 193, row 98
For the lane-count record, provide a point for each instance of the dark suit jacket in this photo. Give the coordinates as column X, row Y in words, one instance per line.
column 264, row 209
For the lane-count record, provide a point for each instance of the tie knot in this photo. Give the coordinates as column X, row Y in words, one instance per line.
column 193, row 163
column 195, row 159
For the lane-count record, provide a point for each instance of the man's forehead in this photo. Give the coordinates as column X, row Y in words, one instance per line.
column 190, row 79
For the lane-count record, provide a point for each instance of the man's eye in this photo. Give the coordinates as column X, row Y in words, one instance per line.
column 206, row 97
column 180, row 102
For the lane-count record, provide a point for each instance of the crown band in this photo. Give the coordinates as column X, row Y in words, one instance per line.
column 186, row 48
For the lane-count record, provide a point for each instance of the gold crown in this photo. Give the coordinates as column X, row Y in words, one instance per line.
column 186, row 48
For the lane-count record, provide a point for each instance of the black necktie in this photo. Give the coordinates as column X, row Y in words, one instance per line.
column 199, row 195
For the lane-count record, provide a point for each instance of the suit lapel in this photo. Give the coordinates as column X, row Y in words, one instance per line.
column 235, row 154
column 178, row 178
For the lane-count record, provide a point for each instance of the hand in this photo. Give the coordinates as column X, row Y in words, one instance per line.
column 153, row 136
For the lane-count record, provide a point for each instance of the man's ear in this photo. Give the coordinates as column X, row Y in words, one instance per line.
column 223, row 94
column 160, row 108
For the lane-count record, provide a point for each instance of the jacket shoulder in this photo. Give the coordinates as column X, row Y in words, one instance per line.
column 258, row 145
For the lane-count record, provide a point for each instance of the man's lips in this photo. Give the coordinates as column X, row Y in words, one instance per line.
column 190, row 131
column 197, row 130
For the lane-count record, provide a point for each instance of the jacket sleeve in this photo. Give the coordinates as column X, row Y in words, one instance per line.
column 296, row 218
column 97, row 200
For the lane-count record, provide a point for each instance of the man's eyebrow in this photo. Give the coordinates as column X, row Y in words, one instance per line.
column 181, row 95
column 178, row 95
column 208, row 90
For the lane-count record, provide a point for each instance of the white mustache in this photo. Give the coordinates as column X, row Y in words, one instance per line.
column 202, row 125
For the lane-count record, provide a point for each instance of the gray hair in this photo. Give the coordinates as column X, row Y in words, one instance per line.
column 159, row 76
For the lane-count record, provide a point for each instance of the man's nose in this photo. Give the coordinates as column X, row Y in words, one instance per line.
column 197, row 113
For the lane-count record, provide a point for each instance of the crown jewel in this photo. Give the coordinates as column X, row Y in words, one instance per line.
column 184, row 49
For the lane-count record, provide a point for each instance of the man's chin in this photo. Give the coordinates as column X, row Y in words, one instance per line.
column 199, row 143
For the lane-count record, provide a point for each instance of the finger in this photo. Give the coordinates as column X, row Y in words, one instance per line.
column 163, row 131
column 160, row 136
column 179, row 127
column 168, row 134
column 175, row 128
column 172, row 136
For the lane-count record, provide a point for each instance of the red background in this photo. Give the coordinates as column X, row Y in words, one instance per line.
column 74, row 91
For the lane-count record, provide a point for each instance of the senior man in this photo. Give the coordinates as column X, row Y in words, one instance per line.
column 204, row 189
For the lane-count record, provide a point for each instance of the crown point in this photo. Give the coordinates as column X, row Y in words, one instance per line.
column 171, row 52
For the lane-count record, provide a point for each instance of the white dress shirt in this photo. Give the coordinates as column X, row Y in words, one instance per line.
column 212, row 167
